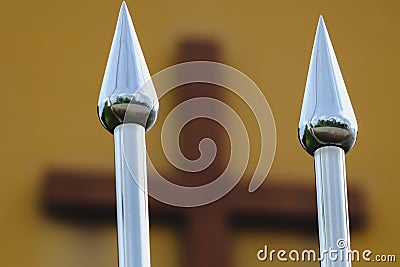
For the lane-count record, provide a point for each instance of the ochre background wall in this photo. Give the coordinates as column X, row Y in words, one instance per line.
column 53, row 55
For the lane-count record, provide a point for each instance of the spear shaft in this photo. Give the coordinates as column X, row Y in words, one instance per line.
column 132, row 203
column 333, row 222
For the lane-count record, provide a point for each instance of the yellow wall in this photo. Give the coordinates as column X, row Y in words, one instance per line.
column 53, row 54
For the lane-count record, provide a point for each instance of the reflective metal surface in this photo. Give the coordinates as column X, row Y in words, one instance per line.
column 327, row 117
column 333, row 219
column 132, row 202
column 126, row 80
column 128, row 106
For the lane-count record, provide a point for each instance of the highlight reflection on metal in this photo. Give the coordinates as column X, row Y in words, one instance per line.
column 327, row 130
column 126, row 80
column 327, row 117
column 128, row 106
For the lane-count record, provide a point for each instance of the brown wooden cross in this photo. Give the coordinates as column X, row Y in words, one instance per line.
column 89, row 196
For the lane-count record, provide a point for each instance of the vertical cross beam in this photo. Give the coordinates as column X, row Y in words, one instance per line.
column 208, row 244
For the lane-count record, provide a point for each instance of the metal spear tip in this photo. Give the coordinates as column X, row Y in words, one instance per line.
column 127, row 92
column 327, row 117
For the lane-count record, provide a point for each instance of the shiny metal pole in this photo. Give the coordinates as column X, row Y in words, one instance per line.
column 333, row 221
column 132, row 207
column 128, row 107
column 327, row 130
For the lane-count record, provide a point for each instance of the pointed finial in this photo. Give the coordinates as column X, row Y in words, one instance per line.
column 327, row 117
column 127, row 93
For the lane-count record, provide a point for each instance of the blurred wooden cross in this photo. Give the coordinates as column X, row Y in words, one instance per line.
column 90, row 196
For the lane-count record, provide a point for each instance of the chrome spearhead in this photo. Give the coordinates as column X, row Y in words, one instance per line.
column 327, row 117
column 127, row 94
